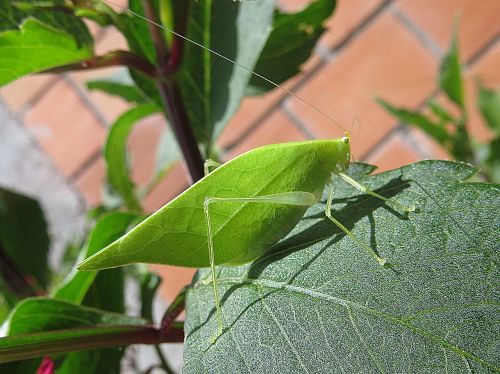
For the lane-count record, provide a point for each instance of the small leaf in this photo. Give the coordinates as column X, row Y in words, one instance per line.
column 318, row 303
column 450, row 74
column 441, row 113
column 115, row 153
column 290, row 44
column 489, row 105
column 37, row 47
column 23, row 236
column 106, row 230
column 149, row 283
column 435, row 130
column 127, row 92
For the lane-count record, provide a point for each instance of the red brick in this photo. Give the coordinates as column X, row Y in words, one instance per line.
column 19, row 93
column 384, row 61
column 393, row 154
column 479, row 21
column 172, row 185
column 278, row 128
column 91, row 181
column 174, row 279
column 65, row 128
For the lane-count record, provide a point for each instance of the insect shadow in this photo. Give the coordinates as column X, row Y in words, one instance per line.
column 355, row 209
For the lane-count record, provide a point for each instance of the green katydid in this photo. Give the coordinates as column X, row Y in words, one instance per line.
column 221, row 221
column 218, row 221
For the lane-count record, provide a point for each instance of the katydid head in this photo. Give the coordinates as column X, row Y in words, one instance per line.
column 335, row 154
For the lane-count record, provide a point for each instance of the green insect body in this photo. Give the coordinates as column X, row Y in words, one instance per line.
column 240, row 230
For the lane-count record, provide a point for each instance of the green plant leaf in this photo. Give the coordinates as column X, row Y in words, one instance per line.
column 290, row 44
column 37, row 47
column 106, row 230
column 51, row 13
column 435, row 130
column 177, row 233
column 450, row 74
column 318, row 303
column 444, row 115
column 212, row 88
column 489, row 105
column 44, row 314
column 23, row 238
column 41, row 326
column 115, row 153
column 124, row 91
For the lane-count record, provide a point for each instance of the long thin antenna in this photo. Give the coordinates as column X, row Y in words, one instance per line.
column 284, row 89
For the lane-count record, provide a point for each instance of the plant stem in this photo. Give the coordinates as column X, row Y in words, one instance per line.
column 172, row 100
column 115, row 58
column 173, row 311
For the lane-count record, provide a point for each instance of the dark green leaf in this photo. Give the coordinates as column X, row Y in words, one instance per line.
column 149, row 283
column 106, row 230
column 115, row 153
column 489, row 105
column 212, row 87
column 290, row 44
column 450, row 74
column 435, row 130
column 318, row 303
column 23, row 236
column 37, row 47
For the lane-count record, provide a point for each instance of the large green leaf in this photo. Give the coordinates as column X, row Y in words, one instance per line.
column 23, row 236
column 177, row 233
column 317, row 303
column 290, row 44
column 35, row 47
column 115, row 153
column 450, row 74
column 212, row 87
column 489, row 105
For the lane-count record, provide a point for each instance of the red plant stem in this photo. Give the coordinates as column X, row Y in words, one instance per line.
column 115, row 58
column 175, row 110
column 130, row 335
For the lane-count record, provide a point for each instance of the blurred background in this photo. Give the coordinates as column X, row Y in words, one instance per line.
column 52, row 129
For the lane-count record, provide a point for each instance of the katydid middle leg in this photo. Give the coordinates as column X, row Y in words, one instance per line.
column 296, row 198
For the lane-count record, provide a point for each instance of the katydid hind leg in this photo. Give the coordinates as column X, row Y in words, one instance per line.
column 294, row 198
